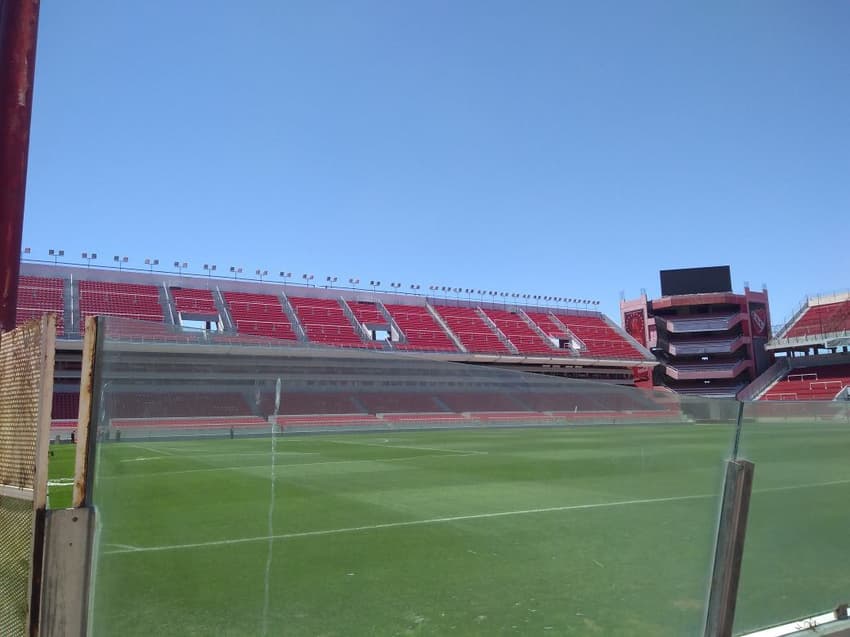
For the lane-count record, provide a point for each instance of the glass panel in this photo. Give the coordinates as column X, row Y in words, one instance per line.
column 258, row 488
column 799, row 521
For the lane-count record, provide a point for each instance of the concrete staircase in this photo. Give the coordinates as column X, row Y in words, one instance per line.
column 505, row 340
column 227, row 325
column 446, row 329
column 293, row 318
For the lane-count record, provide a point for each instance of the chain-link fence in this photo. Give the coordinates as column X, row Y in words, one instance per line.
column 16, row 522
column 25, row 380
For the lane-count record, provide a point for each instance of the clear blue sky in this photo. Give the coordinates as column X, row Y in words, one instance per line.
column 543, row 147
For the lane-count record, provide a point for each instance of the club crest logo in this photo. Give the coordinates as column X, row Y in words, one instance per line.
column 636, row 326
column 758, row 318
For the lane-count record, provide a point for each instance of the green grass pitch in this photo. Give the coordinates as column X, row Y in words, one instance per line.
column 558, row 531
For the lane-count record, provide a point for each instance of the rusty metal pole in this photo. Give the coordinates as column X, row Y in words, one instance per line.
column 18, row 30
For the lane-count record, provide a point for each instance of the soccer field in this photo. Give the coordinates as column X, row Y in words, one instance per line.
column 603, row 530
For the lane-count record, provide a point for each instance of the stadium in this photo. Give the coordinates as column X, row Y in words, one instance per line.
column 807, row 359
column 299, row 428
column 186, row 451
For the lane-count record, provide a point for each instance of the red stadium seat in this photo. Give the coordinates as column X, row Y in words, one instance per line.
column 810, row 383
column 521, row 334
column 195, row 302
column 325, row 322
column 821, row 319
column 475, row 334
column 37, row 295
column 600, row 339
column 421, row 330
column 259, row 315
column 125, row 300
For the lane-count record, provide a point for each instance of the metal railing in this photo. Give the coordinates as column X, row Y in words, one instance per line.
column 816, row 338
column 765, row 379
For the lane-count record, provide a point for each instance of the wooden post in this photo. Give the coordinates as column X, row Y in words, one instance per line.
column 67, row 566
column 729, row 551
column 86, row 420
column 69, row 533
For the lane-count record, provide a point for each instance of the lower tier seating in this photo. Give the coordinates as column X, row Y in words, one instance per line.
column 810, row 383
column 176, row 405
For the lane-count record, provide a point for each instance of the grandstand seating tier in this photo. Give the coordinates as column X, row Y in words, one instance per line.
column 475, row 334
column 810, row 383
column 127, row 300
column 481, row 401
column 398, row 402
column 520, row 333
column 259, row 315
column 66, row 405
column 37, row 295
column 549, row 326
column 158, row 405
column 325, row 322
column 421, row 330
column 191, row 301
column 821, row 319
column 307, row 403
column 601, row 340
column 367, row 313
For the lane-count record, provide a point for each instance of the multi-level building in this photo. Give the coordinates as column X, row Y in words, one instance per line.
column 708, row 339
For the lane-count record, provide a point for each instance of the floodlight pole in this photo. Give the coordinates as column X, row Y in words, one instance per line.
column 18, row 34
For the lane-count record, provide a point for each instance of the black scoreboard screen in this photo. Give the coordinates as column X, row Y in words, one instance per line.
column 696, row 280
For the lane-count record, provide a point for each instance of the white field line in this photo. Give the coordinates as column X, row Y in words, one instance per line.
column 392, row 525
column 161, row 451
column 454, row 518
column 808, row 485
column 61, row 482
column 124, row 546
column 293, row 465
column 190, row 456
column 184, row 447
column 464, row 452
